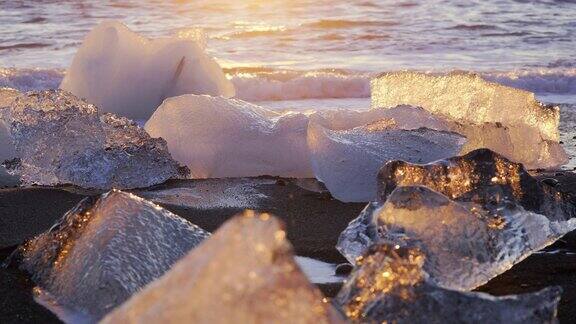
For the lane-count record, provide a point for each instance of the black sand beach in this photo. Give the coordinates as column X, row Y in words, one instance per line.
column 313, row 220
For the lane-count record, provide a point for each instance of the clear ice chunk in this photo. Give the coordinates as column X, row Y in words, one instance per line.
column 218, row 137
column 474, row 216
column 130, row 75
column 106, row 249
column 63, row 140
column 348, row 161
column 7, row 149
column 245, row 273
column 389, row 285
column 506, row 120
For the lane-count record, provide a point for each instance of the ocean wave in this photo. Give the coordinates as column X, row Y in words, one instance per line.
column 473, row 27
column 267, row 84
column 342, row 23
column 31, row 79
column 290, row 85
column 22, row 46
column 539, row 81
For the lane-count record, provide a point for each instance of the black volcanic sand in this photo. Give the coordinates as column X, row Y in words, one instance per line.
column 313, row 219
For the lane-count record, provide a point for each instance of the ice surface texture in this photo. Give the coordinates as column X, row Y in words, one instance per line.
column 389, row 285
column 507, row 120
column 245, row 273
column 106, row 249
column 130, row 75
column 217, row 137
column 477, row 215
column 63, row 140
column 347, row 161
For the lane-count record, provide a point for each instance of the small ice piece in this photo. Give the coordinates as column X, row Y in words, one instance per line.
column 347, row 161
column 507, row 120
column 210, row 194
column 474, row 216
column 130, row 75
column 218, row 137
column 7, row 149
column 63, row 140
column 7, row 179
column 388, row 285
column 245, row 273
column 106, row 249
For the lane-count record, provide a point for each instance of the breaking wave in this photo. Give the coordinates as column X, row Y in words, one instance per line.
column 262, row 84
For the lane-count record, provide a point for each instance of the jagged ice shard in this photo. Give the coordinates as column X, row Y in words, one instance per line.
column 63, row 140
column 106, row 249
column 245, row 273
column 218, row 137
column 507, row 120
column 347, row 149
column 474, row 216
column 389, row 285
column 130, row 75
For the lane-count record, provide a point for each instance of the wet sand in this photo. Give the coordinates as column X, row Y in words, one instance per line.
column 313, row 220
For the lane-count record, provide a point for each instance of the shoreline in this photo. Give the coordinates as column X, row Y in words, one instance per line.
column 313, row 221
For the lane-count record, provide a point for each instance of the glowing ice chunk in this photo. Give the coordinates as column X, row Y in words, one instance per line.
column 218, row 137
column 388, row 285
column 486, row 215
column 245, row 273
column 130, row 75
column 63, row 140
column 106, row 249
column 519, row 127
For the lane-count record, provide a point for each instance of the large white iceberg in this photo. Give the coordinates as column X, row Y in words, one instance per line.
column 507, row 120
column 245, row 273
column 474, row 216
column 130, row 75
column 106, row 249
column 60, row 139
column 218, row 137
column 389, row 285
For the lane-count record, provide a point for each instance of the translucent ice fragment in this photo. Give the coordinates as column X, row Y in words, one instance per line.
column 507, row 120
column 63, row 140
column 7, row 150
column 466, row 97
column 401, row 116
column 130, row 75
column 245, row 273
column 218, row 137
column 486, row 215
column 347, row 161
column 388, row 285
column 106, row 249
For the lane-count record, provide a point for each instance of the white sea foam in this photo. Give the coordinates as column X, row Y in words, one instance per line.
column 30, row 79
column 297, row 85
column 284, row 85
